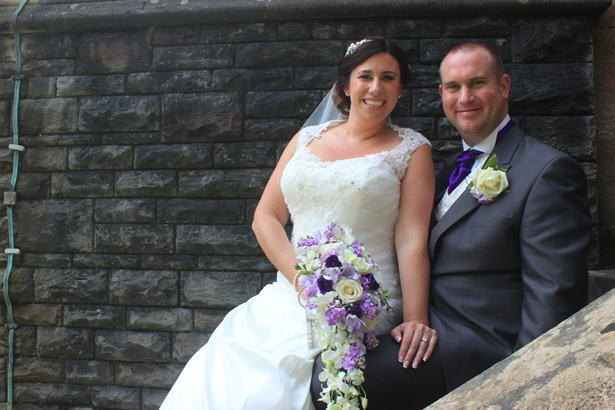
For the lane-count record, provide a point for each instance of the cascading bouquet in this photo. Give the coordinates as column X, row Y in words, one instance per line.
column 341, row 285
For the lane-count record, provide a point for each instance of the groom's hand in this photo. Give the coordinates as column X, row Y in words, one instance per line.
column 417, row 342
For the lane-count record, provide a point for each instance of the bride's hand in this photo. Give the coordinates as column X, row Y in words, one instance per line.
column 417, row 342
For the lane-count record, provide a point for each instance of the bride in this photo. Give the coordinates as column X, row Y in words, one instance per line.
column 361, row 172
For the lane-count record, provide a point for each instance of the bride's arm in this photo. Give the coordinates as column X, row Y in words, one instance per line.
column 270, row 217
column 411, row 236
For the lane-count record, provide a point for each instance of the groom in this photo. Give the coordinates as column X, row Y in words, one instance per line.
column 506, row 266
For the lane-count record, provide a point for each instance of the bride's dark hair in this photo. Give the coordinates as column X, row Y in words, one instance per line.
column 361, row 53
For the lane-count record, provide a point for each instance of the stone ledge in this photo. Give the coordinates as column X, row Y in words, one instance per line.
column 570, row 367
column 65, row 16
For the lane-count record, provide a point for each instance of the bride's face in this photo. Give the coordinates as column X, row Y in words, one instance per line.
column 375, row 86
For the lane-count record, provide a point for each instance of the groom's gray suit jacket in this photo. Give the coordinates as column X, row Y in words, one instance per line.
column 506, row 272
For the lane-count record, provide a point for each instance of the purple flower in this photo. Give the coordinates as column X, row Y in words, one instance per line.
column 371, row 341
column 332, row 261
column 335, row 315
column 353, row 358
column 355, row 309
column 324, row 285
column 355, row 325
column 369, row 282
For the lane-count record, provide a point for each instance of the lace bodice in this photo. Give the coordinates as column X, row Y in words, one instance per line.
column 362, row 193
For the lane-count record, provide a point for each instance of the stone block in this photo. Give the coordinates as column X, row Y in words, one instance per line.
column 48, row 260
column 109, row 52
column 573, row 135
column 207, row 320
column 119, row 114
column 44, row 159
column 70, row 285
column 244, row 155
column 114, row 397
column 25, row 341
column 315, row 77
column 145, row 183
column 434, row 50
column 93, row 260
column 176, row 35
column 218, row 289
column 113, row 157
column 174, row 156
column 477, row 27
column 48, row 46
column 185, row 345
column 572, row 366
column 88, row 372
column 424, row 76
column 271, row 129
column 538, row 89
column 152, row 399
column 58, row 115
column 236, row 263
column 46, row 393
column 192, row 57
column 125, row 210
column 289, row 104
column 48, row 68
column 600, row 283
column 344, row 30
column 64, row 343
column 21, row 285
column 293, row 30
column 238, row 32
column 216, row 240
column 426, row 102
column 551, row 40
column 201, row 117
column 289, row 54
column 150, row 375
column 200, row 211
column 126, row 346
column 33, row 185
column 247, row 183
column 176, row 262
column 41, row 88
column 136, row 138
column 419, row 28
column 176, row 320
column 143, row 288
column 94, row 316
column 4, row 118
column 133, row 238
column 38, row 314
column 87, row 184
column 169, row 82
column 89, row 85
column 252, row 79
column 32, row 369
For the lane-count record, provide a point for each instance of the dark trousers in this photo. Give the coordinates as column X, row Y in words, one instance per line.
column 388, row 385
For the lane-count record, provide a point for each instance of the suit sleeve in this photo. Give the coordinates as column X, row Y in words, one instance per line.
column 555, row 233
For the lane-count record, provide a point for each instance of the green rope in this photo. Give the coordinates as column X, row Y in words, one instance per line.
column 11, row 325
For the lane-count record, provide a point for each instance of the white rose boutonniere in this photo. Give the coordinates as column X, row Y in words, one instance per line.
column 489, row 182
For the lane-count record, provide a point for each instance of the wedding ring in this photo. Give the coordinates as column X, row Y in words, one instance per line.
column 424, row 340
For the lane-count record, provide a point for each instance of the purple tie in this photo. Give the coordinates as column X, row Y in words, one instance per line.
column 464, row 166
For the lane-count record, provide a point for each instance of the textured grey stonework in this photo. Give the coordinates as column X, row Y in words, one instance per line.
column 151, row 130
column 570, row 367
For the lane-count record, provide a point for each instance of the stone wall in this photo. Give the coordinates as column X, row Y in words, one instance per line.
column 149, row 140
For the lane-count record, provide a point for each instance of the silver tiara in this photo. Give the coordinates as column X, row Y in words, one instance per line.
column 354, row 46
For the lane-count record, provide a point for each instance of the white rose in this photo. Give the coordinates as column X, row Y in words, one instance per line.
column 361, row 266
column 349, row 290
column 490, row 182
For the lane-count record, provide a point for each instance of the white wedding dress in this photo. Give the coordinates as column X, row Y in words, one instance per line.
column 258, row 358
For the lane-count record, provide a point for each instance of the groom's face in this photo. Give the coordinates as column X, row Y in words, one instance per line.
column 474, row 100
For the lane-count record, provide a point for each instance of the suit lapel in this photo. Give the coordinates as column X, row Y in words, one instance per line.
column 466, row 203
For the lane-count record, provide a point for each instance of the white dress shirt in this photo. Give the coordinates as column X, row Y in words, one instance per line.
column 486, row 146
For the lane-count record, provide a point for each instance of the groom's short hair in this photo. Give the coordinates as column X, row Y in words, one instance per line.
column 496, row 61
